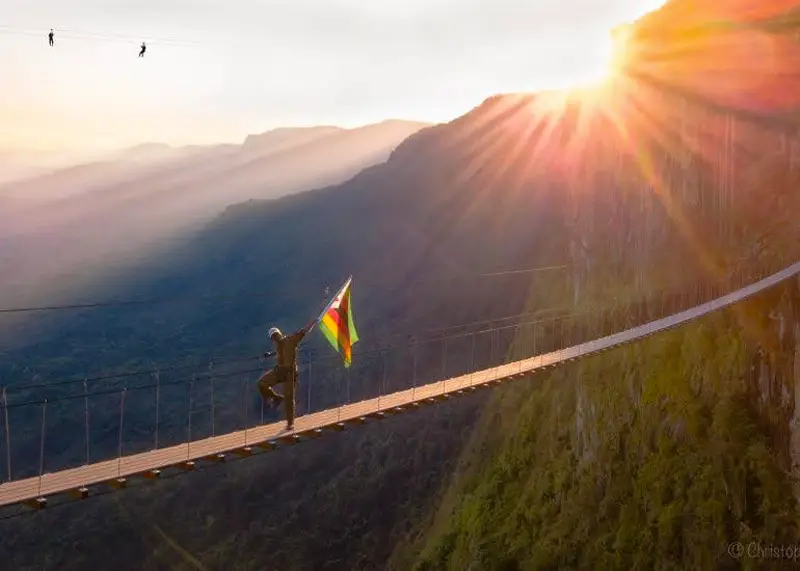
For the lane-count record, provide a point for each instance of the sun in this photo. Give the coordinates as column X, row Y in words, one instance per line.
column 586, row 62
column 606, row 59
column 600, row 54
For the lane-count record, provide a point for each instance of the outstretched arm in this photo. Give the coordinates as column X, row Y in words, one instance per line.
column 298, row 335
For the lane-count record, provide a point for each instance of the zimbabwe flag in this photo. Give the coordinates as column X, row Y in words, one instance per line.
column 336, row 323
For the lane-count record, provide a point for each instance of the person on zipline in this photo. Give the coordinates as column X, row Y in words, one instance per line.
column 285, row 371
column 51, row 38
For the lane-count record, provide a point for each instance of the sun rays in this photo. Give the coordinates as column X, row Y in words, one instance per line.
column 669, row 114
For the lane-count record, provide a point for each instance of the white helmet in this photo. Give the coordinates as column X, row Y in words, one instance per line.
column 274, row 331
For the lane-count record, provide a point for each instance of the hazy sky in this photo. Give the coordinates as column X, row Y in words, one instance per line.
column 249, row 65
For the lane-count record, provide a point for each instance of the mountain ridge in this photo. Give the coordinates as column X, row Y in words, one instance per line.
column 100, row 212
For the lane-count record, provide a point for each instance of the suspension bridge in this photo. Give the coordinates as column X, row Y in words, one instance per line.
column 537, row 346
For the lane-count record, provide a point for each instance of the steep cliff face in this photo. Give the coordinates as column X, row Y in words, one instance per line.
column 693, row 187
column 775, row 373
column 682, row 143
column 657, row 455
column 794, row 422
column 662, row 454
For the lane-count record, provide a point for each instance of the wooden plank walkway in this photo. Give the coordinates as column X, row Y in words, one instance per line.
column 114, row 472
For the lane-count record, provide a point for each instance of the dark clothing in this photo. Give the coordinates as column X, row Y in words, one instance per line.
column 284, row 372
column 286, row 347
column 278, row 375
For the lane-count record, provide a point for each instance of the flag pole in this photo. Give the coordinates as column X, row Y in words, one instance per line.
column 340, row 332
column 330, row 303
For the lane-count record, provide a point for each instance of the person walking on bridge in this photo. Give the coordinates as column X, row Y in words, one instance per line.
column 336, row 322
column 285, row 371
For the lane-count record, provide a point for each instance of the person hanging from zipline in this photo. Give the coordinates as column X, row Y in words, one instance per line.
column 51, row 38
column 336, row 323
column 144, row 49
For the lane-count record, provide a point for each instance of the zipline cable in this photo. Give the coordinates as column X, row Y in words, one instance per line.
column 89, row 36
column 257, row 293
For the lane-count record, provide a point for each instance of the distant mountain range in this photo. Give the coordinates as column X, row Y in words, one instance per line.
column 99, row 212
column 20, row 164
column 269, row 157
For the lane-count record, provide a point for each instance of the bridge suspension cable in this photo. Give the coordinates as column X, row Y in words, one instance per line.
column 327, row 358
column 423, row 336
column 410, row 342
